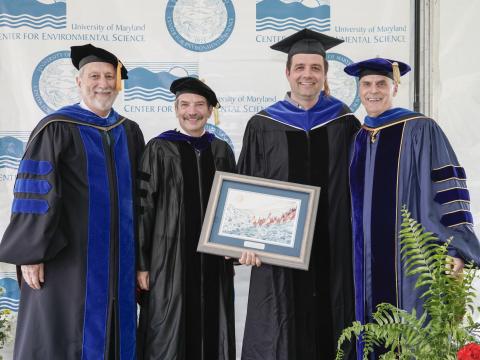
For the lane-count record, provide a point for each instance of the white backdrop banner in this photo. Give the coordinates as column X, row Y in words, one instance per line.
column 224, row 42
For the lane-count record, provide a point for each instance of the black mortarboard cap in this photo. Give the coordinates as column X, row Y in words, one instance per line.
column 193, row 85
column 84, row 54
column 306, row 41
column 392, row 69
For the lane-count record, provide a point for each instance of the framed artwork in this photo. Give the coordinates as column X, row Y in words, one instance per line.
column 275, row 219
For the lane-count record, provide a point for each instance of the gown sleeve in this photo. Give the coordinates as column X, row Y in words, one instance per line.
column 139, row 143
column 231, row 165
column 149, row 183
column 252, row 157
column 33, row 235
column 445, row 200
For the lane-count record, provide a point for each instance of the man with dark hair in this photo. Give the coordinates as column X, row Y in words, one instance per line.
column 401, row 158
column 296, row 314
column 187, row 306
column 73, row 224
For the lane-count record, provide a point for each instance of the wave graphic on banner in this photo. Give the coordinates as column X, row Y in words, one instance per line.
column 33, row 22
column 151, row 81
column 138, row 93
column 284, row 15
column 12, row 146
column 270, row 23
column 33, row 14
column 10, row 298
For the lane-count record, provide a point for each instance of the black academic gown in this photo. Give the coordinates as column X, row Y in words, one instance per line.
column 296, row 314
column 73, row 211
column 188, row 312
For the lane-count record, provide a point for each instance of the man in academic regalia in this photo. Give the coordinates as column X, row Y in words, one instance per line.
column 187, row 306
column 296, row 314
column 401, row 158
column 72, row 227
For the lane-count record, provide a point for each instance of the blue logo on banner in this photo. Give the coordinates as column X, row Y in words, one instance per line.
column 151, row 81
column 10, row 298
column 281, row 15
column 342, row 86
column 200, row 25
column 12, row 146
column 219, row 133
column 34, row 14
column 53, row 82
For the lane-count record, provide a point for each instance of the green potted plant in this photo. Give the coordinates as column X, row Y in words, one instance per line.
column 445, row 329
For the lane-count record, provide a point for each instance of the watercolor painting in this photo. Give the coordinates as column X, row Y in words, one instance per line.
column 260, row 217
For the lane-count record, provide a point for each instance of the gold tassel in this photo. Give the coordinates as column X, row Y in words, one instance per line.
column 118, row 84
column 396, row 72
column 326, row 88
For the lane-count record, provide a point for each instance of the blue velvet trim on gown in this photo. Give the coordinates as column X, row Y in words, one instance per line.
column 383, row 223
column 35, row 167
column 357, row 174
column 384, row 217
column 98, row 250
column 30, row 206
column 448, row 172
column 450, row 195
column 32, row 186
column 127, row 313
column 457, row 218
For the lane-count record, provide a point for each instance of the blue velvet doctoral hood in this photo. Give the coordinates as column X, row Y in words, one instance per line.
column 326, row 109
column 199, row 143
column 80, row 114
column 390, row 115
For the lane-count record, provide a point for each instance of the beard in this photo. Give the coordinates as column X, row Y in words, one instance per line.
column 102, row 103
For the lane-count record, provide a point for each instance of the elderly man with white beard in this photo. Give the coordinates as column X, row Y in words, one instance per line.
column 72, row 227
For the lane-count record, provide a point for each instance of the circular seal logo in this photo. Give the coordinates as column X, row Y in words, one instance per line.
column 53, row 82
column 343, row 86
column 219, row 133
column 200, row 25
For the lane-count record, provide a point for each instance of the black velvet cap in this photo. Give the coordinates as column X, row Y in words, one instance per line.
column 193, row 85
column 306, row 41
column 84, row 54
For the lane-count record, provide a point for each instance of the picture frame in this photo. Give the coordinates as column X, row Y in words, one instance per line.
column 275, row 219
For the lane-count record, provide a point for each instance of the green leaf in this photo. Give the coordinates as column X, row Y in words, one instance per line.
column 439, row 331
